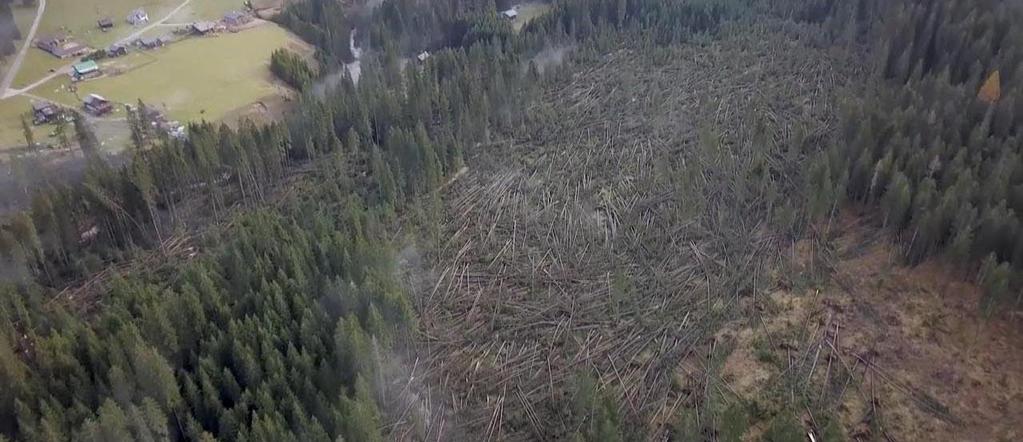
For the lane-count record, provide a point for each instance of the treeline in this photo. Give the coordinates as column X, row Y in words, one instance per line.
column 291, row 68
column 936, row 145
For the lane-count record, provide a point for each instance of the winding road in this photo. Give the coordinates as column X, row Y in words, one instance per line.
column 9, row 77
column 6, row 85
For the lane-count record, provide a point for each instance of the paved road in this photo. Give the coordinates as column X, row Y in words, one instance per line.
column 9, row 77
column 8, row 92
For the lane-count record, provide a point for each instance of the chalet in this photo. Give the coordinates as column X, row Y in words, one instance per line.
column 97, row 105
column 117, row 50
column 44, row 112
column 204, row 27
column 236, row 18
column 510, row 14
column 138, row 17
column 423, row 56
column 105, row 23
column 85, row 70
column 61, row 46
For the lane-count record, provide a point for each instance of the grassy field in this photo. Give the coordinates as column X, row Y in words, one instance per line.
column 78, row 17
column 206, row 10
column 198, row 78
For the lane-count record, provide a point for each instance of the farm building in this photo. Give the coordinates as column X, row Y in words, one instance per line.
column 117, row 50
column 423, row 56
column 44, row 112
column 204, row 27
column 510, row 14
column 236, row 18
column 105, row 23
column 97, row 105
column 61, row 46
column 153, row 42
column 138, row 17
column 85, row 70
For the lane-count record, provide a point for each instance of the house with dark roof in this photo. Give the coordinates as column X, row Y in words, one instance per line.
column 236, row 18
column 105, row 23
column 138, row 17
column 61, row 46
column 44, row 112
column 153, row 42
column 117, row 50
column 97, row 105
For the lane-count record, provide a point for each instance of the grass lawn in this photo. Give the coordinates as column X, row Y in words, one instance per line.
column 11, row 133
column 36, row 65
column 194, row 79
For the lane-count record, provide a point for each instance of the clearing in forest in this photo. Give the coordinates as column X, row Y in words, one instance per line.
column 618, row 231
column 640, row 227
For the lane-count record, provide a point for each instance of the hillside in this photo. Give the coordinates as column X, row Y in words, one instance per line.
column 596, row 220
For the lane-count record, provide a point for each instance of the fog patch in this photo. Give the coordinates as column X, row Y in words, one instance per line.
column 551, row 57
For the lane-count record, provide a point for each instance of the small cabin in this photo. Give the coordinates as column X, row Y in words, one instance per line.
column 44, row 112
column 423, row 56
column 85, row 70
column 97, row 105
column 105, row 23
column 138, row 17
column 510, row 14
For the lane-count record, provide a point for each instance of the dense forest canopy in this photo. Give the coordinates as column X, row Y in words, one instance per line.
column 275, row 319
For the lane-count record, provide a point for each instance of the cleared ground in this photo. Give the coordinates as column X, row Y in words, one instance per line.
column 617, row 232
column 896, row 353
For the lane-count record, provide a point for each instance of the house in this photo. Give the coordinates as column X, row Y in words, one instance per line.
column 138, row 17
column 423, row 56
column 44, row 112
column 105, row 23
column 152, row 42
column 85, row 70
column 61, row 46
column 236, row 18
column 510, row 14
column 204, row 27
column 117, row 50
column 97, row 105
